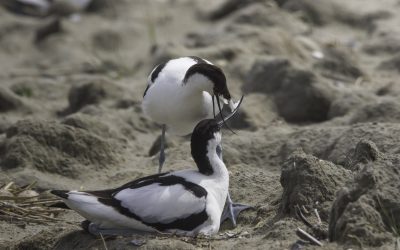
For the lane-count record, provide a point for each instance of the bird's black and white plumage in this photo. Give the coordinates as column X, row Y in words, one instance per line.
column 180, row 91
column 185, row 202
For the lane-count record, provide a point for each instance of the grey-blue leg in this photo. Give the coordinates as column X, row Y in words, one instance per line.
column 95, row 230
column 231, row 210
column 161, row 158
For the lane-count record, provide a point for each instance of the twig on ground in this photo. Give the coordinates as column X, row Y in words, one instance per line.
column 6, row 187
column 27, row 209
column 303, row 234
column 318, row 217
column 319, row 231
column 104, row 242
column 300, row 215
column 305, row 209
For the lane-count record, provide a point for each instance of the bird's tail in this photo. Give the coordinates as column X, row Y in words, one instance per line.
column 60, row 193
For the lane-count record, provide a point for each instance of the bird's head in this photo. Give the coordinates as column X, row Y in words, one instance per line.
column 215, row 83
column 213, row 75
column 208, row 133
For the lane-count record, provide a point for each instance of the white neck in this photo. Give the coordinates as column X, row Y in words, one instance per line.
column 218, row 166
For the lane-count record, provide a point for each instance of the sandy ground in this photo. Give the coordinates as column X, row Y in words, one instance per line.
column 319, row 126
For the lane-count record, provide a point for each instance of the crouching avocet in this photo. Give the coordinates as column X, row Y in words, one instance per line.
column 188, row 202
column 180, row 93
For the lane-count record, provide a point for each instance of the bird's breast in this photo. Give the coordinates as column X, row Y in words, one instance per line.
column 170, row 105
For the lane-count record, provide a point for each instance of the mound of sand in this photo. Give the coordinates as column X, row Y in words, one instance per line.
column 318, row 128
column 366, row 210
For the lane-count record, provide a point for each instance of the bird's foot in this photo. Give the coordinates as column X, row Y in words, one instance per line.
column 232, row 211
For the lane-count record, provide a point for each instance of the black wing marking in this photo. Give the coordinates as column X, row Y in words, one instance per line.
column 189, row 223
column 166, row 180
column 145, row 91
column 163, row 179
column 60, row 193
column 198, row 59
column 109, row 193
column 157, row 71
column 154, row 74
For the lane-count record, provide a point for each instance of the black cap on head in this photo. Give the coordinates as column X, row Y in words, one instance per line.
column 202, row 133
column 214, row 74
column 206, row 129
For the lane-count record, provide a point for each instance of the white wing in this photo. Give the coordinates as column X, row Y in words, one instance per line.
column 164, row 204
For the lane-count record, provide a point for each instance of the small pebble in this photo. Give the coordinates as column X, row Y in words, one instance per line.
column 28, row 194
column 317, row 54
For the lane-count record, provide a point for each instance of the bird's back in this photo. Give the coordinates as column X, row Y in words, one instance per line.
column 163, row 202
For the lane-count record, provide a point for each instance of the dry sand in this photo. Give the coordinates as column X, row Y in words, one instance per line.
column 319, row 126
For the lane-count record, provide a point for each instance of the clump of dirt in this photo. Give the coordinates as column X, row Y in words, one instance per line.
column 366, row 210
column 392, row 63
column 303, row 90
column 384, row 134
column 339, row 62
column 387, row 44
column 318, row 13
column 310, row 182
column 324, row 13
column 9, row 101
column 90, row 93
column 349, row 100
column 55, row 148
column 226, row 8
column 107, row 40
column 45, row 239
column 317, row 141
column 291, row 88
column 88, row 123
column 284, row 229
column 264, row 14
column 384, row 111
column 266, row 75
column 390, row 89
